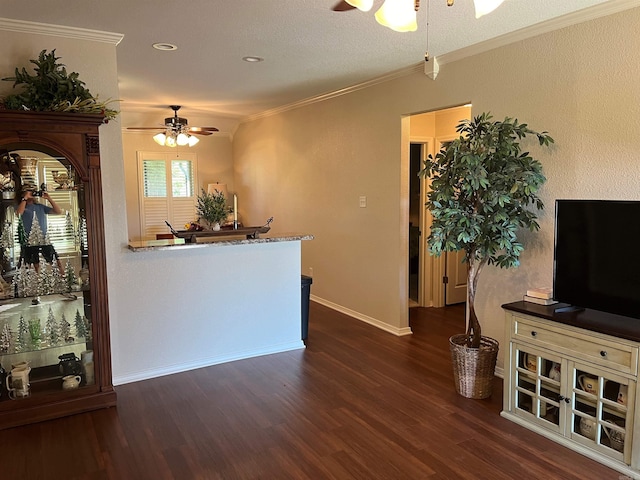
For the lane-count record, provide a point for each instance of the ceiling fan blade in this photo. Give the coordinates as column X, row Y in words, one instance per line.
column 203, row 130
column 177, row 124
column 342, row 6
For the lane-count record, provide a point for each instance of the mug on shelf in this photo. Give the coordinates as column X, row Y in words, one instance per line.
column 71, row 382
column 588, row 428
column 554, row 372
column 589, row 384
column 18, row 382
column 622, row 394
column 531, row 362
column 616, row 437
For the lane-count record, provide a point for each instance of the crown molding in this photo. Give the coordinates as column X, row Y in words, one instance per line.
column 59, row 31
column 601, row 10
column 403, row 72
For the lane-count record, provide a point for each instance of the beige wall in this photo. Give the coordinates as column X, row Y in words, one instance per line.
column 214, row 165
column 309, row 165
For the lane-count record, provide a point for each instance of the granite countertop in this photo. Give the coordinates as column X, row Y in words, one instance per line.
column 223, row 241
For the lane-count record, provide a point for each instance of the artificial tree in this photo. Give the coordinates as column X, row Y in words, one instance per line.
column 482, row 189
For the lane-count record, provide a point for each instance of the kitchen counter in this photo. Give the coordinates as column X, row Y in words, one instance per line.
column 219, row 299
column 227, row 240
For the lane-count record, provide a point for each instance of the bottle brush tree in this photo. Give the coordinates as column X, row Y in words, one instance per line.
column 483, row 189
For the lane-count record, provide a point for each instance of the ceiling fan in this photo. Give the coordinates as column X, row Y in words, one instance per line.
column 176, row 131
column 395, row 10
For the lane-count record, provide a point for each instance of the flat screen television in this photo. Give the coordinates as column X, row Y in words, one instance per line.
column 597, row 255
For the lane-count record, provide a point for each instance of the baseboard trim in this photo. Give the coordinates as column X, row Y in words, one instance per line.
column 203, row 362
column 363, row 318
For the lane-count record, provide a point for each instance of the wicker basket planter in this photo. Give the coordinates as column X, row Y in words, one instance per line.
column 473, row 368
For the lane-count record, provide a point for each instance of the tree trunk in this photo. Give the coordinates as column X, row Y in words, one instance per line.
column 474, row 331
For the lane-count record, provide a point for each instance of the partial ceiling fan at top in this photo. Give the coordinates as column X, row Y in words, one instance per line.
column 400, row 15
column 176, row 131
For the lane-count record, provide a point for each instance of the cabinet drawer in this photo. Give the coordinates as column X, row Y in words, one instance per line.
column 600, row 351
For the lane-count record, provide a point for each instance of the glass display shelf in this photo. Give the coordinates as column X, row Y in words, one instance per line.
column 40, row 330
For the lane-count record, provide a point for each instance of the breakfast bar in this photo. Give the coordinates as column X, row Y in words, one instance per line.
column 218, row 300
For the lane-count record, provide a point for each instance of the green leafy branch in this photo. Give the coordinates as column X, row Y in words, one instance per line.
column 52, row 89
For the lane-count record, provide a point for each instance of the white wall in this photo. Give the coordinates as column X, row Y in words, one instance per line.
column 310, row 164
column 184, row 309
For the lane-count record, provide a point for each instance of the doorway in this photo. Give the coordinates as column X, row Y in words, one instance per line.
column 416, row 204
column 433, row 281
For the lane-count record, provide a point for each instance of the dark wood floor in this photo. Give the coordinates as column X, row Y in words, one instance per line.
column 358, row 403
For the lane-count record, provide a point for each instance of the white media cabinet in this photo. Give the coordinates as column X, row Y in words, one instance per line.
column 573, row 377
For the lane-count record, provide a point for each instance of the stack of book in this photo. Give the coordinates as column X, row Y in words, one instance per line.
column 540, row 296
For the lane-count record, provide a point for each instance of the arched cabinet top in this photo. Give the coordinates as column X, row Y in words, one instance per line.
column 72, row 135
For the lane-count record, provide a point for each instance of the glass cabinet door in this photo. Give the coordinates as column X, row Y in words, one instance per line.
column 599, row 417
column 45, row 316
column 537, row 386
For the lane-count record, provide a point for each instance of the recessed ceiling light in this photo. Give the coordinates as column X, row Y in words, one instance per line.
column 252, row 59
column 165, row 46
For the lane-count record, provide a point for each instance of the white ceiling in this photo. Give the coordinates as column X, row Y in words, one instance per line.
column 308, row 49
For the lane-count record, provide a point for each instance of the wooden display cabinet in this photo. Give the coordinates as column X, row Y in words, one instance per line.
column 51, row 312
column 575, row 385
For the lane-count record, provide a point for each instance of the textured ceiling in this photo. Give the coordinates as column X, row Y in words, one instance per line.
column 308, row 49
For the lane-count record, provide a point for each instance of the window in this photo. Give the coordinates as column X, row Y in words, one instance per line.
column 167, row 191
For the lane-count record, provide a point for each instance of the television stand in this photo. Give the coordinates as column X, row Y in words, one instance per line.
column 573, row 379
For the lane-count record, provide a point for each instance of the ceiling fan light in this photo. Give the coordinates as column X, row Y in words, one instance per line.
column 362, row 5
column 182, row 139
column 398, row 15
column 486, row 6
column 193, row 140
column 170, row 141
column 160, row 138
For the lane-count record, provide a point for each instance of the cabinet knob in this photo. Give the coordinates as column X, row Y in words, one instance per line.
column 603, row 353
column 563, row 398
column 534, row 333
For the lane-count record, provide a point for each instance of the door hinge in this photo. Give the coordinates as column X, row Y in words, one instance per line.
column 445, row 279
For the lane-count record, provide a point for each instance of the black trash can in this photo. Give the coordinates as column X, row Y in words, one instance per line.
column 306, row 291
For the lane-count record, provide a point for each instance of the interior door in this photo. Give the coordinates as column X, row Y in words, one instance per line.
column 455, row 276
column 455, row 289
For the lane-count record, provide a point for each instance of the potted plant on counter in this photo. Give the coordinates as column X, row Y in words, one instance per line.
column 212, row 209
column 482, row 189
